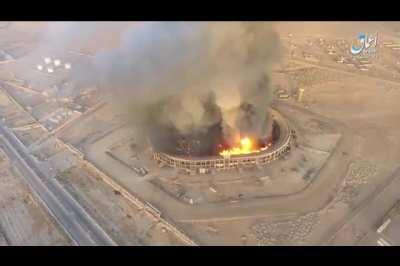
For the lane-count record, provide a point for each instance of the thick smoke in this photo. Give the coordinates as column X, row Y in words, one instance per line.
column 183, row 78
column 190, row 77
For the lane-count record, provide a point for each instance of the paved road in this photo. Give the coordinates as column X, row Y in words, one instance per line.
column 77, row 223
column 368, row 215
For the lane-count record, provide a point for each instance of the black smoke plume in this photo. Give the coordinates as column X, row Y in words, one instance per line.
column 191, row 79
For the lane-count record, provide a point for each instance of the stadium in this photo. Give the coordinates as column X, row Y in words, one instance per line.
column 279, row 145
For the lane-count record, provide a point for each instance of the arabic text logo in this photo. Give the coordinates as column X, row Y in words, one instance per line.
column 366, row 45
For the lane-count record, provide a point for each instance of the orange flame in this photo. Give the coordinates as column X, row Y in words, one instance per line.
column 246, row 146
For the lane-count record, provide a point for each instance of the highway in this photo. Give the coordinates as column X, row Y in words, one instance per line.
column 77, row 223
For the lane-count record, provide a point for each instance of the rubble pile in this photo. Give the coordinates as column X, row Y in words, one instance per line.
column 358, row 174
column 287, row 232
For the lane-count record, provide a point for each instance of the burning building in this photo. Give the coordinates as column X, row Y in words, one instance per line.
column 248, row 152
column 196, row 89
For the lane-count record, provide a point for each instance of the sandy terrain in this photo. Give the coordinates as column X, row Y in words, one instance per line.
column 347, row 125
